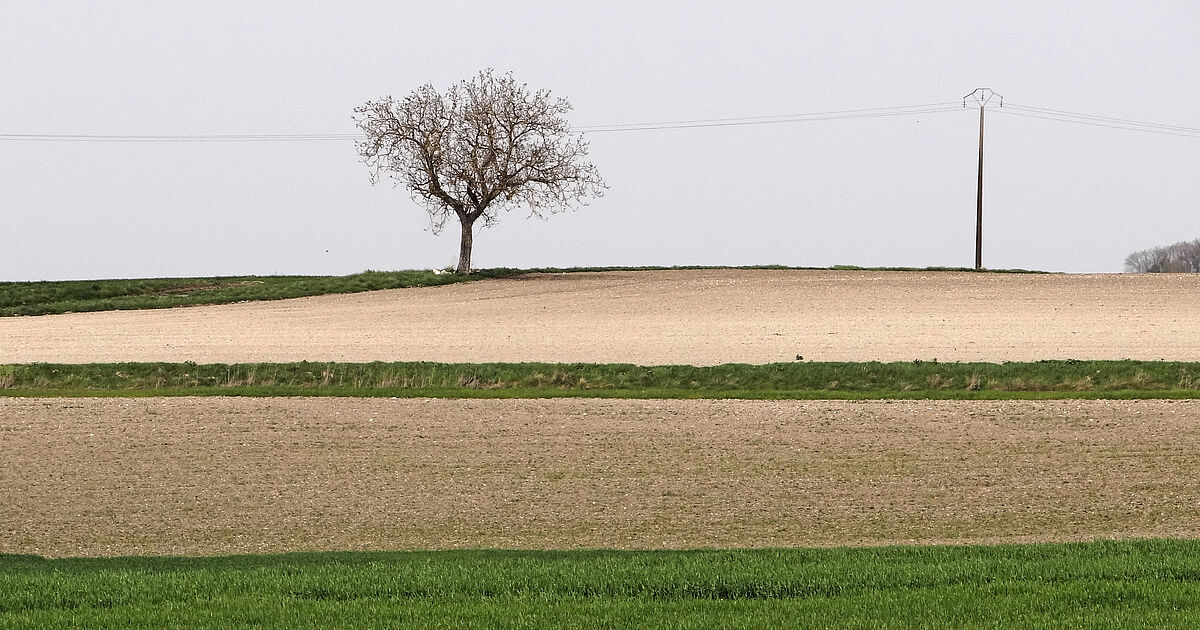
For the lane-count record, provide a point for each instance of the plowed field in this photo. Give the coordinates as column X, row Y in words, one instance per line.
column 698, row 317
column 224, row 475
column 238, row 475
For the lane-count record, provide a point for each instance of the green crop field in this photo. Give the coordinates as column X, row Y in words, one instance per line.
column 1129, row 584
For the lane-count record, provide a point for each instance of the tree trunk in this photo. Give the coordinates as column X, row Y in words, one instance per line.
column 464, row 248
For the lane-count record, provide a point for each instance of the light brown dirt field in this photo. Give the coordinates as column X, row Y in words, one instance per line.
column 699, row 317
column 229, row 475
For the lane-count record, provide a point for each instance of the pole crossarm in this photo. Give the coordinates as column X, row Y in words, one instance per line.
column 983, row 97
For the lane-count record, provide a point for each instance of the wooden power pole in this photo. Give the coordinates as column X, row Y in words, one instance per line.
column 982, row 96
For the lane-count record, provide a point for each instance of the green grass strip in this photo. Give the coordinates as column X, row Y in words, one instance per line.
column 44, row 298
column 1147, row 583
column 796, row 380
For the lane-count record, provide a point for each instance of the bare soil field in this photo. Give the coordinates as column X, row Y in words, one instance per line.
column 699, row 317
column 229, row 475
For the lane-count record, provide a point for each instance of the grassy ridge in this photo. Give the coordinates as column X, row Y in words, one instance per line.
column 918, row 379
column 1153, row 583
column 44, row 298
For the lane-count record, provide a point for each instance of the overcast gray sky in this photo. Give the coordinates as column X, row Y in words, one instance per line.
column 864, row 191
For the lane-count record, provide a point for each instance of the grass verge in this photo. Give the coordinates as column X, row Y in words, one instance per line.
column 1148, row 583
column 798, row 380
column 45, row 298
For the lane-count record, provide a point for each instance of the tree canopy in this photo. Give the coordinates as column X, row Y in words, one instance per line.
column 485, row 145
column 1182, row 257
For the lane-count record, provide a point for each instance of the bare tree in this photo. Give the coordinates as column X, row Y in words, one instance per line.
column 1182, row 257
column 1187, row 255
column 487, row 144
column 1140, row 261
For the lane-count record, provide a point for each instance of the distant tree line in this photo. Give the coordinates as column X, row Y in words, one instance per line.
column 1182, row 257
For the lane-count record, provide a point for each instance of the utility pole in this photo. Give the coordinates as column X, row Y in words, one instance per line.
column 982, row 96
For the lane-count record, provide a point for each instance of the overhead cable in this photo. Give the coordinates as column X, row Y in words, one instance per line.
column 1011, row 109
column 781, row 118
column 1112, row 119
column 258, row 137
column 678, row 124
column 1093, row 120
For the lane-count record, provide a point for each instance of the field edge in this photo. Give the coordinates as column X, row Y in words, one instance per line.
column 917, row 380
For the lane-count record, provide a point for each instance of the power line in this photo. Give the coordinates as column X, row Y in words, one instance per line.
column 1195, row 134
column 260, row 137
column 1011, row 109
column 906, row 110
column 1127, row 121
column 875, row 112
column 1093, row 120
